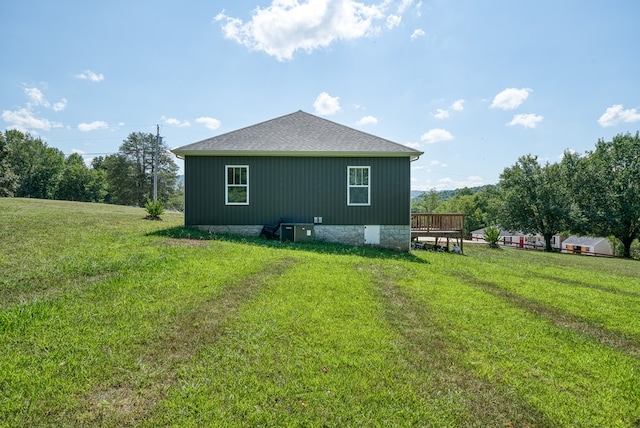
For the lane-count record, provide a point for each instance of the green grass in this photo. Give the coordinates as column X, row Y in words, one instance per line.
column 109, row 319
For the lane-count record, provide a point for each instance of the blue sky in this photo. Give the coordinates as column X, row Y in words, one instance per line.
column 472, row 84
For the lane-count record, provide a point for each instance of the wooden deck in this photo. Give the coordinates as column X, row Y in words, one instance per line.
column 438, row 226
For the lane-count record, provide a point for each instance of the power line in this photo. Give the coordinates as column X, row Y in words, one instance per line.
column 89, row 154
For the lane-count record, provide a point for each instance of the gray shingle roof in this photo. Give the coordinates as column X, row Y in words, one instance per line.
column 583, row 240
column 296, row 134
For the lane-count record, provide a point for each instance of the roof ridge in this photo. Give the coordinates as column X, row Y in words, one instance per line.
column 297, row 134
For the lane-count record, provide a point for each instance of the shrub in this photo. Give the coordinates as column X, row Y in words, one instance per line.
column 154, row 210
column 492, row 236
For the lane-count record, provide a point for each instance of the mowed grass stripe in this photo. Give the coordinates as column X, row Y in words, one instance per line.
column 196, row 327
column 609, row 305
column 589, row 327
column 608, row 274
column 97, row 353
column 566, row 377
column 615, row 313
column 436, row 355
column 313, row 350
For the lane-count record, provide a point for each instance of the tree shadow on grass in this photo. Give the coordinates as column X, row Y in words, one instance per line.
column 320, row 247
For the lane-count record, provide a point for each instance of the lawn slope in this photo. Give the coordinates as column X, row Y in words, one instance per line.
column 109, row 319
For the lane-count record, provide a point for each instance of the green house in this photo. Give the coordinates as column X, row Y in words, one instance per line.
column 323, row 180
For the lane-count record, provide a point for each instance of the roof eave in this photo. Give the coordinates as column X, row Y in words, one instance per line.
column 182, row 153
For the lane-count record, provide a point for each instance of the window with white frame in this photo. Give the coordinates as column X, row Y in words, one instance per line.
column 237, row 185
column 358, row 185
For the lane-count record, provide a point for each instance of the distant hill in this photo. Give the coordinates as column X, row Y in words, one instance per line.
column 445, row 194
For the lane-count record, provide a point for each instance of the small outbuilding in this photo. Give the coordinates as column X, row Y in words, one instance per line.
column 587, row 245
column 313, row 176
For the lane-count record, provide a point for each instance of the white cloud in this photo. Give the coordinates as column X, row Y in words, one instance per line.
column 441, row 114
column 450, row 184
column 510, row 98
column 60, row 105
column 393, row 21
column 436, row 135
column 91, row 76
column 617, row 114
column 528, row 120
column 326, row 105
column 25, row 120
column 93, row 126
column 286, row 26
column 36, row 97
column 367, row 120
column 404, row 5
column 209, row 122
column 444, row 182
column 458, row 105
column 171, row 121
column 417, row 33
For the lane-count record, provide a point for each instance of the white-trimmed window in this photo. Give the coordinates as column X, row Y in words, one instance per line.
column 237, row 185
column 358, row 185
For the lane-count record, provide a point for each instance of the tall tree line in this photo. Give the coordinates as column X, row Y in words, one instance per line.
column 31, row 169
column 597, row 194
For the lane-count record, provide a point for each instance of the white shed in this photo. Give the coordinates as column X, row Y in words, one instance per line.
column 588, row 245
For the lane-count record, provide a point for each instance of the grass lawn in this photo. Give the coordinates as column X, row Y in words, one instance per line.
column 112, row 320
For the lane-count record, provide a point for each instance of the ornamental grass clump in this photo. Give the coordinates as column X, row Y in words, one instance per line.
column 492, row 236
column 154, row 210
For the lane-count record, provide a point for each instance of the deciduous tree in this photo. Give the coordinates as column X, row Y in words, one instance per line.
column 79, row 183
column 605, row 188
column 427, row 202
column 464, row 202
column 37, row 166
column 534, row 198
column 8, row 179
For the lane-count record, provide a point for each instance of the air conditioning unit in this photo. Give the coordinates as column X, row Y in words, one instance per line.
column 297, row 232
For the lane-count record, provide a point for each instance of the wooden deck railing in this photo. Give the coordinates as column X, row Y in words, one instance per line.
column 437, row 222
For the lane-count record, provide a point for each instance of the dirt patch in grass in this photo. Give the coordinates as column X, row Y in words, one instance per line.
column 430, row 351
column 183, row 242
column 561, row 319
column 129, row 403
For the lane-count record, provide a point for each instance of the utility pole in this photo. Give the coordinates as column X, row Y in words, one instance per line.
column 155, row 165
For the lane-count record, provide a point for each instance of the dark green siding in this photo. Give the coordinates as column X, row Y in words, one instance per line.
column 296, row 189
